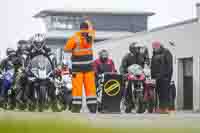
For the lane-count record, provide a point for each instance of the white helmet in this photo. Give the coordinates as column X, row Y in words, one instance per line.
column 65, row 63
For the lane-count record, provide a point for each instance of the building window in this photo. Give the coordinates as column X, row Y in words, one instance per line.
column 65, row 23
column 69, row 26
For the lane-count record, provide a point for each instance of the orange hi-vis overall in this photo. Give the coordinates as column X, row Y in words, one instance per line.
column 82, row 69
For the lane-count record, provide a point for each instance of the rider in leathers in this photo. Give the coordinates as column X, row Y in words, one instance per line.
column 137, row 55
column 38, row 47
column 10, row 62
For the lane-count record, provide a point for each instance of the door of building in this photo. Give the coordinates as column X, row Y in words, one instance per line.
column 188, row 83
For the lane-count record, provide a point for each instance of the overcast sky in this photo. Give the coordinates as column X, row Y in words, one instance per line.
column 17, row 22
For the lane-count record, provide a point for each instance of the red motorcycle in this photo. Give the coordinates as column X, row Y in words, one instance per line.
column 150, row 95
column 143, row 88
column 150, row 91
column 136, row 77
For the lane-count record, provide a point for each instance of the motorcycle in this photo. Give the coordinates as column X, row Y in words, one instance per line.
column 7, row 79
column 20, row 82
column 136, row 77
column 150, row 90
column 19, row 87
column 41, row 82
column 63, row 92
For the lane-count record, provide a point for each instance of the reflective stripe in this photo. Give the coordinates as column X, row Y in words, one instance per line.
column 78, row 47
column 77, row 97
column 91, row 97
column 77, row 102
column 82, row 62
column 82, row 58
column 82, row 49
column 82, row 68
column 67, row 51
column 92, row 102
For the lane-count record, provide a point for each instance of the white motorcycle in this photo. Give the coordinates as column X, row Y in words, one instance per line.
column 63, row 92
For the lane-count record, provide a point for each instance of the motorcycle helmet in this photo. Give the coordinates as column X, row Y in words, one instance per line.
column 38, row 41
column 132, row 47
column 10, row 52
column 140, row 48
column 21, row 44
column 64, row 63
column 103, row 55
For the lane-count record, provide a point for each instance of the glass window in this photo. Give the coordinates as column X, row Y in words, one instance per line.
column 69, row 26
column 65, row 23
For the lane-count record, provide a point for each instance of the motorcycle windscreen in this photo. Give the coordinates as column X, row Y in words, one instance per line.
column 41, row 66
column 135, row 69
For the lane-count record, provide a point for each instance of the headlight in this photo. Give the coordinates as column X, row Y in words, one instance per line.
column 42, row 74
column 24, row 56
column 31, row 78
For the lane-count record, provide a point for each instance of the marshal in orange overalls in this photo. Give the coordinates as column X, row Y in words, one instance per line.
column 82, row 69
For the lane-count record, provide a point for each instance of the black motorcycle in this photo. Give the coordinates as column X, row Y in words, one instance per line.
column 7, row 80
column 40, row 89
column 41, row 82
column 21, row 81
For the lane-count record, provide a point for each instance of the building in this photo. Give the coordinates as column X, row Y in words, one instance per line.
column 109, row 23
column 185, row 37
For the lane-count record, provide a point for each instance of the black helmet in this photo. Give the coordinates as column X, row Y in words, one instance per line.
column 141, row 48
column 21, row 48
column 103, row 54
column 38, row 41
column 132, row 47
column 10, row 52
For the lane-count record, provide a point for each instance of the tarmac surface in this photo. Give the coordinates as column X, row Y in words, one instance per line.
column 175, row 120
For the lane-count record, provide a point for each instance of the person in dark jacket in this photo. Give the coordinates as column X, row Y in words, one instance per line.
column 138, row 54
column 104, row 63
column 162, row 70
column 9, row 63
column 129, row 59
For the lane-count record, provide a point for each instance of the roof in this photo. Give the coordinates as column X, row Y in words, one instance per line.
column 99, row 34
column 189, row 21
column 87, row 11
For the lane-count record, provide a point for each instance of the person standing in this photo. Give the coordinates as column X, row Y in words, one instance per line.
column 104, row 63
column 162, row 70
column 138, row 54
column 80, row 45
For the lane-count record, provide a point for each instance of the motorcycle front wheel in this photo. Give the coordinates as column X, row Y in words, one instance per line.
column 42, row 99
column 59, row 104
column 140, row 104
